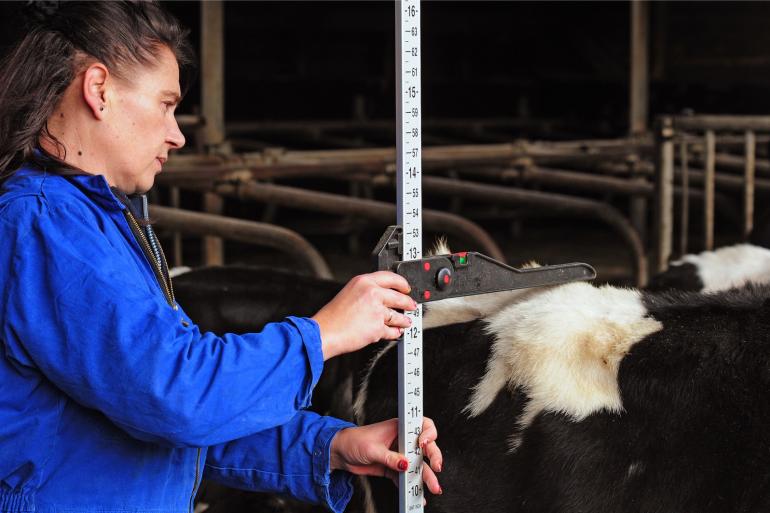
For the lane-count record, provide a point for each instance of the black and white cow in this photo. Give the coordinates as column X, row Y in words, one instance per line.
column 579, row 398
column 712, row 271
column 239, row 299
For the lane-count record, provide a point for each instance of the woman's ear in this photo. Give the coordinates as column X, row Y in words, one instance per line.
column 95, row 88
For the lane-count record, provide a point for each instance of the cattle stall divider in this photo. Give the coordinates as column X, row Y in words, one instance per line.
column 378, row 211
column 525, row 159
column 687, row 132
column 250, row 232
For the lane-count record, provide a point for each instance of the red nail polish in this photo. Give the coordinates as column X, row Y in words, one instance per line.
column 403, row 465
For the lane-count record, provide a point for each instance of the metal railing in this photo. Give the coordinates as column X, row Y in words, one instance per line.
column 702, row 130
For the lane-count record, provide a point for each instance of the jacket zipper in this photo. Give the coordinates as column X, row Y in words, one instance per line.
column 195, row 482
column 168, row 289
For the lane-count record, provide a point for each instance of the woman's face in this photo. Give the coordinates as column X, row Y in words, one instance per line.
column 142, row 129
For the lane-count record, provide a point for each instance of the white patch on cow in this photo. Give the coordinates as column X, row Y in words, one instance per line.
column 563, row 347
column 358, row 406
column 176, row 271
column 469, row 308
column 514, row 442
column 731, row 266
column 634, row 469
column 440, row 247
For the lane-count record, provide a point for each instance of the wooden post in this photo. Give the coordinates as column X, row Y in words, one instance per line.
column 748, row 185
column 177, row 236
column 708, row 191
column 639, row 86
column 212, row 107
column 684, row 225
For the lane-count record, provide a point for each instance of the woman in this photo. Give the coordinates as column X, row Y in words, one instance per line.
column 111, row 399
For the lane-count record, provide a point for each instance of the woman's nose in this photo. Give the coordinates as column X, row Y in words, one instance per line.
column 175, row 136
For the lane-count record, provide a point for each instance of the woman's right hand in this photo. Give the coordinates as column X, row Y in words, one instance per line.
column 363, row 312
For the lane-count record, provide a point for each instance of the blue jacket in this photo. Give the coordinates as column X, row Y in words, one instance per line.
column 111, row 399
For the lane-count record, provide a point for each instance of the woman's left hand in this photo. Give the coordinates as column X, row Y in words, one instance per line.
column 367, row 450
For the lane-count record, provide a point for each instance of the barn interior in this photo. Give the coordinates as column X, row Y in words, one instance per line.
column 621, row 134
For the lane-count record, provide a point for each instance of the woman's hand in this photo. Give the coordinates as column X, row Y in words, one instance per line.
column 364, row 311
column 367, row 451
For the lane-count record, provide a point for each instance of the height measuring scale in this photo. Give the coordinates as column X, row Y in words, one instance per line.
column 437, row 277
column 409, row 208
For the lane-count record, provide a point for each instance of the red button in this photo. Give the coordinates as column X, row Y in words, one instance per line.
column 426, row 266
column 426, row 294
column 446, row 278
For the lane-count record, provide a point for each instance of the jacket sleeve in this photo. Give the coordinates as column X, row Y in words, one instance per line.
column 291, row 459
column 76, row 312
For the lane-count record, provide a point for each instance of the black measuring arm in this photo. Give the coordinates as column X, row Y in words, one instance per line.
column 467, row 273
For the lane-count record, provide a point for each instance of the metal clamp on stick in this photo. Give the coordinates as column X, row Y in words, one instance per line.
column 468, row 273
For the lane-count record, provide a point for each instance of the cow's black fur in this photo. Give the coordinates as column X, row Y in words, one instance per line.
column 243, row 299
column 677, row 277
column 693, row 438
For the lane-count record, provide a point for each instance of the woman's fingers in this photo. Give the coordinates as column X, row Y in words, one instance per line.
column 433, row 454
column 396, row 300
column 431, row 480
column 427, row 442
column 363, row 312
column 391, row 280
column 396, row 319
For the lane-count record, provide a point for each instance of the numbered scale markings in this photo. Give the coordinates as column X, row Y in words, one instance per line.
column 409, row 157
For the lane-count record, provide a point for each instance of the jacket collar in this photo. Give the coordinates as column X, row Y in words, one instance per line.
column 93, row 186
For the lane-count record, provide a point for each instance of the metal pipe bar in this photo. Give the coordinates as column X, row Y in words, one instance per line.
column 737, row 163
column 553, row 177
column 722, row 122
column 250, row 232
column 554, row 203
column 378, row 211
column 749, row 176
column 638, row 204
column 708, row 190
column 727, row 182
column 664, row 194
column 329, row 160
column 582, row 181
column 182, row 174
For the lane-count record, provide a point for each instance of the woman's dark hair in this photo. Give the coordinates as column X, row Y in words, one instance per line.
column 61, row 39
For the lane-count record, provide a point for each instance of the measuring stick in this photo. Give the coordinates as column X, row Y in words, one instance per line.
column 409, row 165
